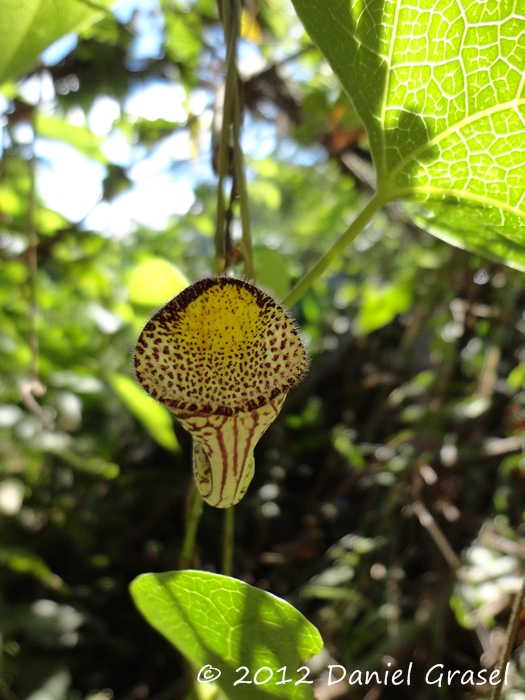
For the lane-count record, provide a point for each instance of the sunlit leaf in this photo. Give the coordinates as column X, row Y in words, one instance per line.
column 155, row 418
column 271, row 271
column 30, row 26
column 183, row 36
column 266, row 193
column 380, row 305
column 516, row 378
column 440, row 89
column 11, row 202
column 48, row 221
column 226, row 623
column 154, row 281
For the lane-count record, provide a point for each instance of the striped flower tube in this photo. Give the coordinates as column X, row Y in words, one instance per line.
column 222, row 356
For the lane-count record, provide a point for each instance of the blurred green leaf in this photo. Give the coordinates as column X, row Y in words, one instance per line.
column 91, row 465
column 30, row 26
column 48, row 221
column 221, row 621
column 343, row 441
column 80, row 137
column 24, row 562
column 154, row 417
column 265, row 192
column 11, row 201
column 439, row 88
column 271, row 271
column 380, row 305
column 517, row 377
column 183, row 36
column 155, row 281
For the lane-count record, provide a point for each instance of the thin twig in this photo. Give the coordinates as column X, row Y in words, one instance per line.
column 427, row 521
column 243, row 193
column 510, row 638
column 32, row 264
column 355, row 228
column 192, row 523
column 229, row 536
column 29, row 388
column 433, row 529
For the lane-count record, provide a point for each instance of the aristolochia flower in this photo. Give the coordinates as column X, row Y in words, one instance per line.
column 222, row 356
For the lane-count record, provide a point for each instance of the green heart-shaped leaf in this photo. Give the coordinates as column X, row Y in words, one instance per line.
column 29, row 26
column 440, row 87
column 226, row 623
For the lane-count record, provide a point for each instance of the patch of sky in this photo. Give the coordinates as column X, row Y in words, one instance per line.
column 37, row 89
column 152, row 202
column 212, row 35
column 110, row 219
column 118, row 150
column 103, row 113
column 123, row 9
column 147, row 21
column 200, row 101
column 23, row 133
column 171, row 152
column 165, row 178
column 76, row 115
column 297, row 72
column 101, row 118
column 157, row 99
column 290, row 152
column 59, row 49
column 201, row 167
column 259, row 139
column 250, row 60
column 69, row 183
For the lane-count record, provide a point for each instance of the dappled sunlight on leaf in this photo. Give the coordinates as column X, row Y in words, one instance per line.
column 440, row 90
column 154, row 281
column 224, row 622
column 25, row 33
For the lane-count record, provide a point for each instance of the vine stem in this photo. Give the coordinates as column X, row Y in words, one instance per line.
column 229, row 536
column 243, row 192
column 510, row 637
column 230, row 89
column 297, row 292
column 231, row 126
column 192, row 523
column 32, row 259
column 357, row 225
column 33, row 387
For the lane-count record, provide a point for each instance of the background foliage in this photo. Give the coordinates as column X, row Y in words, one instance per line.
column 388, row 499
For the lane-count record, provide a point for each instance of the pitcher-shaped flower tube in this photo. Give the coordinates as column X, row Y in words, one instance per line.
column 222, row 356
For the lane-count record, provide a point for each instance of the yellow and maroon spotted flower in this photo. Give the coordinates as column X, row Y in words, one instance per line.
column 222, row 356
